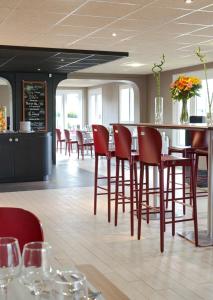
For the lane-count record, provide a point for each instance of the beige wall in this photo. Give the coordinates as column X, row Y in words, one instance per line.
column 110, row 96
column 140, row 87
column 166, row 79
column 146, row 92
column 110, row 102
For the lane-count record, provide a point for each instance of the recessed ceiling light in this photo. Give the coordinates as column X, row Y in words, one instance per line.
column 134, row 64
column 188, row 1
column 38, row 69
column 114, row 34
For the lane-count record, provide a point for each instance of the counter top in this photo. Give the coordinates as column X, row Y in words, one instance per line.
column 194, row 126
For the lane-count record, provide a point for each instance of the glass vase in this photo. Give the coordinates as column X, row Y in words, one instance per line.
column 158, row 110
column 3, row 118
column 209, row 116
column 184, row 117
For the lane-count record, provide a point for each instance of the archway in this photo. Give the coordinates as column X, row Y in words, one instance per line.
column 6, row 100
column 78, row 98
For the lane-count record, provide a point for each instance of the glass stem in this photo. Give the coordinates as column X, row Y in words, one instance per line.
column 4, row 292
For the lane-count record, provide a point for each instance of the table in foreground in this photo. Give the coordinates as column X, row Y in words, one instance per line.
column 101, row 283
column 205, row 237
column 97, row 282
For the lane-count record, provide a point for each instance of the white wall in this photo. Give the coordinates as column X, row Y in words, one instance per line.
column 110, row 102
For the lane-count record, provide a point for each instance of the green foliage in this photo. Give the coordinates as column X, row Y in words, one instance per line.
column 72, row 115
column 157, row 69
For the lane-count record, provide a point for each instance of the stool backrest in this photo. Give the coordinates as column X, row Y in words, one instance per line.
column 58, row 134
column 101, row 139
column 149, row 145
column 79, row 137
column 21, row 224
column 67, row 134
column 123, row 141
column 199, row 138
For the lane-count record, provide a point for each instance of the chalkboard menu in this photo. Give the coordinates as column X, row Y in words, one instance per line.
column 35, row 104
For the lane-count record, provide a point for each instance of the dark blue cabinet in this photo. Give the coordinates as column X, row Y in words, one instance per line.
column 25, row 156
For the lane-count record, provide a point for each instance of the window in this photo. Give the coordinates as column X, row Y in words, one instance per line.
column 126, row 104
column 95, row 106
column 59, row 111
column 69, row 109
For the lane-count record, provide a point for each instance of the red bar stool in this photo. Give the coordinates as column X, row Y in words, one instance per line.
column 123, row 152
column 101, row 145
column 150, row 146
column 69, row 141
column 81, row 145
column 59, row 139
column 199, row 140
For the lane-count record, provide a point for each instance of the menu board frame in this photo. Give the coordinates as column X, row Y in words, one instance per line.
column 29, row 83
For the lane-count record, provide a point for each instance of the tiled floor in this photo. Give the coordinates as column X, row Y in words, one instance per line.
column 136, row 267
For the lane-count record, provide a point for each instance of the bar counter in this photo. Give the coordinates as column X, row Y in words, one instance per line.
column 25, row 156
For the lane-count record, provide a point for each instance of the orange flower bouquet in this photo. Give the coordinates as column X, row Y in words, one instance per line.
column 182, row 89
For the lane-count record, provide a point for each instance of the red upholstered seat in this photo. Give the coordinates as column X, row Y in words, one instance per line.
column 21, row 224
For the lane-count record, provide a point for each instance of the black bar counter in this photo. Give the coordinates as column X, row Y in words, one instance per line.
column 25, row 156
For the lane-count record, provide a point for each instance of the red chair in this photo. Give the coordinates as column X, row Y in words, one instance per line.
column 150, row 146
column 59, row 139
column 69, row 142
column 123, row 152
column 21, row 224
column 101, row 145
column 82, row 145
column 199, row 141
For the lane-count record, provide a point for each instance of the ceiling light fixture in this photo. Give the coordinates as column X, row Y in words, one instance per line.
column 188, row 1
column 114, row 34
column 38, row 69
column 134, row 64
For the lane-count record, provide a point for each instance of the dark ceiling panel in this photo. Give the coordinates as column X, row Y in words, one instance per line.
column 52, row 60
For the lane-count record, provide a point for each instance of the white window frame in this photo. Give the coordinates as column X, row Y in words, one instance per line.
column 130, row 88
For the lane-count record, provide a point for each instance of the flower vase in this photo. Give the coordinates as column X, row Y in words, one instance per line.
column 3, row 118
column 184, row 117
column 209, row 116
column 158, row 110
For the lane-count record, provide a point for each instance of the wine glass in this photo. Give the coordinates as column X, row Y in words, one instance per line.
column 37, row 271
column 10, row 261
column 69, row 285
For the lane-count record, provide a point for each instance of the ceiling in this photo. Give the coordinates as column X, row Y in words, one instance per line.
column 52, row 60
column 144, row 28
column 75, row 83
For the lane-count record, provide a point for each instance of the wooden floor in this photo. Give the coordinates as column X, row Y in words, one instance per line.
column 135, row 267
